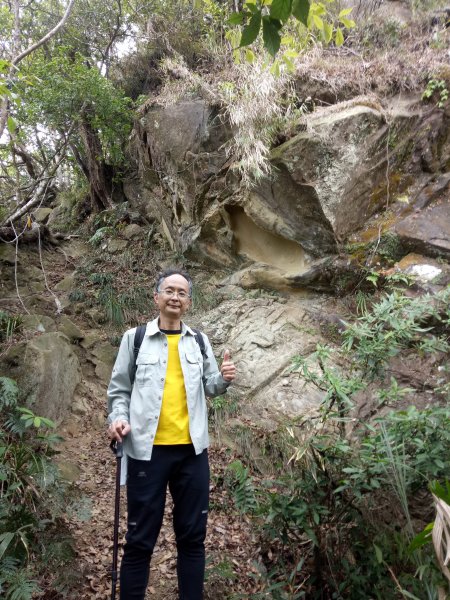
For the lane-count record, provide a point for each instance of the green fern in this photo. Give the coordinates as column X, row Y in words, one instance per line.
column 15, row 582
column 244, row 492
column 9, row 392
column 20, row 587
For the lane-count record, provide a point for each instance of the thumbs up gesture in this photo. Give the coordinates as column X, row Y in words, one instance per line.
column 228, row 369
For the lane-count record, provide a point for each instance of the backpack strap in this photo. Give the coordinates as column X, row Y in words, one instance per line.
column 200, row 341
column 138, row 337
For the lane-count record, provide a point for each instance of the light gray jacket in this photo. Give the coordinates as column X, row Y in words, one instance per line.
column 140, row 404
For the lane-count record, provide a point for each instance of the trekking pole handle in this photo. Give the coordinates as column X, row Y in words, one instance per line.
column 117, row 448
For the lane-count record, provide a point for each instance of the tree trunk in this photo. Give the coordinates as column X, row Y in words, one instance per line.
column 100, row 174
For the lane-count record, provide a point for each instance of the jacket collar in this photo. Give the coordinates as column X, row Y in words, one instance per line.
column 153, row 328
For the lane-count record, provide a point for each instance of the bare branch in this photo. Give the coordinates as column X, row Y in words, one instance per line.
column 46, row 37
column 4, row 108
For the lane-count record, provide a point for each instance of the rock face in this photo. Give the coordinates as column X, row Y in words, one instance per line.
column 264, row 334
column 336, row 169
column 427, row 232
column 47, row 371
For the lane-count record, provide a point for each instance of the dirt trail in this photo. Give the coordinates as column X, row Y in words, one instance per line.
column 229, row 542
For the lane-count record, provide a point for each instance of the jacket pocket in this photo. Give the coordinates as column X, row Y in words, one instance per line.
column 147, row 368
column 195, row 365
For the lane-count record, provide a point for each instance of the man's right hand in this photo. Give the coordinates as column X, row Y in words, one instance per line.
column 118, row 430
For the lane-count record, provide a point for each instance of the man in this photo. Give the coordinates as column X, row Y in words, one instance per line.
column 163, row 422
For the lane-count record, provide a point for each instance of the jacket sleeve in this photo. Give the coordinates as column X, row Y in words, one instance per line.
column 213, row 382
column 120, row 386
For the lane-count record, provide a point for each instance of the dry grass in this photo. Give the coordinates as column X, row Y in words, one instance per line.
column 340, row 74
column 384, row 56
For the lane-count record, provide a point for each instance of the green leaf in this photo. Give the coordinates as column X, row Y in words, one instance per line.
column 281, row 9
column 249, row 56
column 422, row 538
column 378, row 554
column 289, row 64
column 349, row 23
column 236, row 18
column 339, row 40
column 327, row 32
column 440, row 491
column 48, row 422
column 253, row 8
column 251, row 31
column 11, row 124
column 344, row 12
column 275, row 68
column 5, row 540
column 300, row 10
column 271, row 37
column 318, row 22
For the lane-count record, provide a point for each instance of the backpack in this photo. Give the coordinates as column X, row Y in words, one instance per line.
column 139, row 336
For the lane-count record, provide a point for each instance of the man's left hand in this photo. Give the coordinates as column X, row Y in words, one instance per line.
column 228, row 369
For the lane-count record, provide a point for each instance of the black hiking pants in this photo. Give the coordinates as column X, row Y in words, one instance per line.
column 187, row 476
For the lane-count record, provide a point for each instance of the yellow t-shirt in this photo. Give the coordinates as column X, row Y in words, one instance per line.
column 173, row 425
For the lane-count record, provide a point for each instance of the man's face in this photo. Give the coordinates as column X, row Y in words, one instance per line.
column 173, row 298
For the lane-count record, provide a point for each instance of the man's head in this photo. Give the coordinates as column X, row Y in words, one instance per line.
column 173, row 291
column 168, row 273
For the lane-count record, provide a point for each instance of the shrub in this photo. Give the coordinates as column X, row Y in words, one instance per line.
column 339, row 522
column 32, row 498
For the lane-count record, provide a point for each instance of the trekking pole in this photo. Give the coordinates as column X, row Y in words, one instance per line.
column 117, row 448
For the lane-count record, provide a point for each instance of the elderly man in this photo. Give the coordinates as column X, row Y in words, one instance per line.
column 157, row 406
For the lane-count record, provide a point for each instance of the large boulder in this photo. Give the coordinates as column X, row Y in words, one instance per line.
column 336, row 168
column 179, row 147
column 47, row 371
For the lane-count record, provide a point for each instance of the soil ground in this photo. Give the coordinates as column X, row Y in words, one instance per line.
column 231, row 549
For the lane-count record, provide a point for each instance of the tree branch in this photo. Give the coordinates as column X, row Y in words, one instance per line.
column 46, row 37
column 4, row 109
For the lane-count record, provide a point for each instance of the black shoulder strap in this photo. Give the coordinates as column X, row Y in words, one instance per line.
column 138, row 337
column 200, row 341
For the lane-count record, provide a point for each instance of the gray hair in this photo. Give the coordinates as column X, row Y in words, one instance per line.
column 167, row 273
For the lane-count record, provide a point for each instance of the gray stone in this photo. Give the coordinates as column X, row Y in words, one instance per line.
column 91, row 339
column 47, row 372
column 427, row 232
column 59, row 219
column 103, row 371
column 105, row 352
column 264, row 354
column 429, row 275
column 115, row 245
column 68, row 471
column 132, row 232
column 66, row 284
column 97, row 316
column 329, row 173
column 68, row 328
column 103, row 355
column 80, row 406
column 42, row 214
column 8, row 254
column 40, row 323
column 327, row 179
